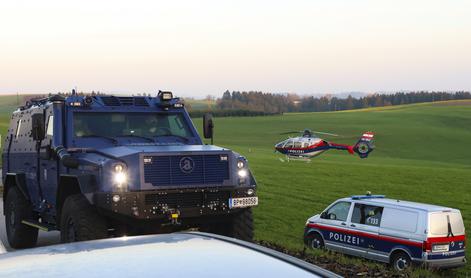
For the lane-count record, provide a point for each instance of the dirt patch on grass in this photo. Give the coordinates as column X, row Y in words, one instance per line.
column 329, row 262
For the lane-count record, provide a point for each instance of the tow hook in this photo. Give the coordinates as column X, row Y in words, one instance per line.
column 174, row 216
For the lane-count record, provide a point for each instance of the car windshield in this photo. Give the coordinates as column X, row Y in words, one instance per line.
column 138, row 125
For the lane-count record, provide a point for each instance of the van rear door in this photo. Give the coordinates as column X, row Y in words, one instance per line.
column 446, row 232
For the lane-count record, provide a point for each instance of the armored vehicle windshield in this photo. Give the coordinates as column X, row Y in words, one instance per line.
column 143, row 125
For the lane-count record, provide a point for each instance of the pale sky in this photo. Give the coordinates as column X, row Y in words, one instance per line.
column 195, row 48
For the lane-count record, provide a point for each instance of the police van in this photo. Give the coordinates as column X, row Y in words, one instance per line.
column 392, row 231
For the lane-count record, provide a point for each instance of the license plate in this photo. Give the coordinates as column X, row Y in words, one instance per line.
column 243, row 202
column 440, row 248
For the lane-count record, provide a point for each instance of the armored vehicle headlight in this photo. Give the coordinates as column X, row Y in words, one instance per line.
column 242, row 173
column 118, row 168
column 120, row 178
column 240, row 164
column 119, row 175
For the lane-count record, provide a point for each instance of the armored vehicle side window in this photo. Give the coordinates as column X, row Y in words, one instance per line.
column 50, row 126
column 339, row 211
column 367, row 215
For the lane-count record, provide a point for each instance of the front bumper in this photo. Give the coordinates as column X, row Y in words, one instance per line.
column 161, row 204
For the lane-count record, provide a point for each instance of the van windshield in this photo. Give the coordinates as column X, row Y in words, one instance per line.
column 144, row 125
column 438, row 224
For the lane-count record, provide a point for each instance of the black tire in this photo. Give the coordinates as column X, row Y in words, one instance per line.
column 17, row 208
column 80, row 221
column 400, row 261
column 242, row 225
column 315, row 241
column 238, row 225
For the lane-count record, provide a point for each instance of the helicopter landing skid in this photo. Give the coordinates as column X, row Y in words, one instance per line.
column 298, row 158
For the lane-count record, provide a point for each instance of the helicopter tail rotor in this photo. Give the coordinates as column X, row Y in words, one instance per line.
column 365, row 145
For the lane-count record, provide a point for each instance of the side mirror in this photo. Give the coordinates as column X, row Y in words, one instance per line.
column 324, row 215
column 208, row 126
column 37, row 127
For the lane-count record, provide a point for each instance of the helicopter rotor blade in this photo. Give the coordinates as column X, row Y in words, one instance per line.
column 325, row 133
column 289, row 132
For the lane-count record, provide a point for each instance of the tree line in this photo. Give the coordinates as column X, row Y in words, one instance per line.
column 254, row 103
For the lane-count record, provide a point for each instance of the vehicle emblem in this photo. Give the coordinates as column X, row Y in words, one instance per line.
column 187, row 165
column 452, row 244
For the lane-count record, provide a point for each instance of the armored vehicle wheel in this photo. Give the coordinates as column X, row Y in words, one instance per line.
column 238, row 225
column 80, row 221
column 241, row 226
column 17, row 208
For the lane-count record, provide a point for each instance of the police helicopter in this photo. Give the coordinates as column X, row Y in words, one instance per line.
column 308, row 145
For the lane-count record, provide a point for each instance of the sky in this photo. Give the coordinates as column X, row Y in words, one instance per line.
column 196, row 48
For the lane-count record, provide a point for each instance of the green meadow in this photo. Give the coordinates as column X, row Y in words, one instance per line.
column 422, row 154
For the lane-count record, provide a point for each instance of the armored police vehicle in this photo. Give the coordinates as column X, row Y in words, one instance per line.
column 392, row 231
column 98, row 166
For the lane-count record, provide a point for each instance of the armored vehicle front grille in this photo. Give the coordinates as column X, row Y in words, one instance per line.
column 186, row 199
column 171, row 170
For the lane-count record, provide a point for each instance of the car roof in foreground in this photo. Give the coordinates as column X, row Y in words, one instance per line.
column 400, row 203
column 169, row 255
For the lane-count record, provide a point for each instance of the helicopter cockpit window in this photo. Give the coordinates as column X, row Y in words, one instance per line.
column 289, row 144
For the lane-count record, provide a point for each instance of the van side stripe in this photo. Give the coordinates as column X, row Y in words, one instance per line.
column 356, row 233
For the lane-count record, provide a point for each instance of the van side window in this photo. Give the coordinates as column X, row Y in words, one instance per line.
column 338, row 211
column 50, row 126
column 367, row 215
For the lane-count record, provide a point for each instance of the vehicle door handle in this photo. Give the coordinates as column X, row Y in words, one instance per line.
column 343, row 223
column 353, row 225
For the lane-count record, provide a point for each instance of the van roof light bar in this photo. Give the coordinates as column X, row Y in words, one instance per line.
column 360, row 197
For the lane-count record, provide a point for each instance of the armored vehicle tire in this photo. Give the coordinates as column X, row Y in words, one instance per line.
column 238, row 225
column 17, row 208
column 80, row 220
column 241, row 226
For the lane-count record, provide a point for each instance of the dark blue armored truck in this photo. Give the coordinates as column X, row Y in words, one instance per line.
column 99, row 166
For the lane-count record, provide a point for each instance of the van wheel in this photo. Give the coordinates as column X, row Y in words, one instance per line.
column 400, row 261
column 17, row 208
column 80, row 221
column 315, row 241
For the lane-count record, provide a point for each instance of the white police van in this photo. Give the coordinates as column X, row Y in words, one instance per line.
column 391, row 231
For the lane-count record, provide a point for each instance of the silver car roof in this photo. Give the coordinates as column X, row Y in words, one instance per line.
column 400, row 203
column 169, row 255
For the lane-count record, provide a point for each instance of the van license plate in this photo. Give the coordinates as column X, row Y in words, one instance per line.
column 243, row 202
column 440, row 248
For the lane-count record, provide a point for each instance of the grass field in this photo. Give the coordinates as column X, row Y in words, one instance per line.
column 422, row 154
